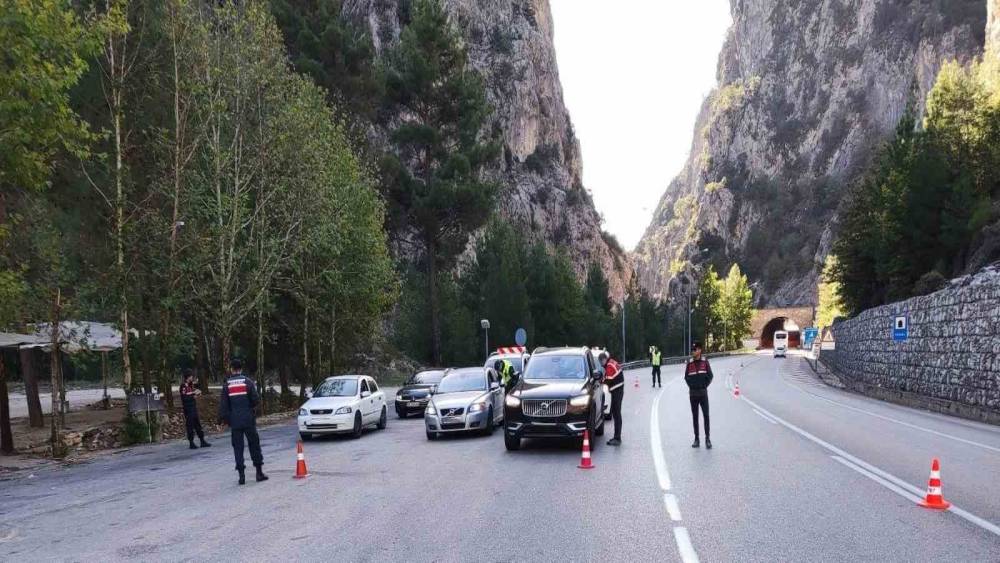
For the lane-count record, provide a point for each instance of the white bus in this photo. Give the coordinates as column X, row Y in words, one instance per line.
column 780, row 343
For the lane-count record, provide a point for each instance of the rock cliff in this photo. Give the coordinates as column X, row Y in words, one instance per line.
column 510, row 43
column 807, row 90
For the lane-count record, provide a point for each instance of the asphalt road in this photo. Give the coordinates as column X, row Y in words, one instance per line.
column 799, row 472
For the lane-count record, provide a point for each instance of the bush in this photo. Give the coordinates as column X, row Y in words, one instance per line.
column 929, row 283
column 137, row 431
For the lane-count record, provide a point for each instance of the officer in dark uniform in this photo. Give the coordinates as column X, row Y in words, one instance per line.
column 236, row 408
column 188, row 395
column 698, row 376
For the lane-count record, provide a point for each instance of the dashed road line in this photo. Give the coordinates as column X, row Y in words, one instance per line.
column 688, row 554
column 673, row 509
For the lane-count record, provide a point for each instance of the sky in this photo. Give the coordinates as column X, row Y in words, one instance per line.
column 634, row 75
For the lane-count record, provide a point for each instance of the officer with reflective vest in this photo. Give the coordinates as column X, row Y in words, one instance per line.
column 189, row 394
column 654, row 360
column 236, row 408
column 615, row 380
column 698, row 376
column 506, row 371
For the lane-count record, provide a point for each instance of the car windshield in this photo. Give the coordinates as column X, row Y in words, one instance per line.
column 456, row 382
column 516, row 361
column 337, row 388
column 426, row 378
column 557, row 367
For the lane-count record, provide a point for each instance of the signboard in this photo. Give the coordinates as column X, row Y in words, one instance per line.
column 521, row 337
column 510, row 350
column 900, row 329
column 809, row 335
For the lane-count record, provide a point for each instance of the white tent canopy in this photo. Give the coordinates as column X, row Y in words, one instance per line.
column 14, row 340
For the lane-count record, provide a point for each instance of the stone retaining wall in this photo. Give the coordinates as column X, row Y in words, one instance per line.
column 951, row 360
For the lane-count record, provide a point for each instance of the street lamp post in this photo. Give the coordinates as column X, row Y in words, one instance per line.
column 486, row 332
column 623, row 328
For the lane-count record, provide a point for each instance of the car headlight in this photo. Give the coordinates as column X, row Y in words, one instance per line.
column 430, row 409
column 581, row 401
column 477, row 407
column 303, row 412
column 512, row 401
column 344, row 410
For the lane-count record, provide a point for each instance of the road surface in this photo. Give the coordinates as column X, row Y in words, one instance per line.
column 800, row 472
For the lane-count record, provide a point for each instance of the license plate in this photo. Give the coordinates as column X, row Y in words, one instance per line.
column 413, row 404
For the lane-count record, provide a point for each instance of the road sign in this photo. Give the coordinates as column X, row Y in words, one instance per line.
column 900, row 329
column 521, row 337
column 809, row 335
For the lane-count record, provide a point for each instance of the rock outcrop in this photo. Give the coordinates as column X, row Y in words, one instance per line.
column 807, row 91
column 510, row 43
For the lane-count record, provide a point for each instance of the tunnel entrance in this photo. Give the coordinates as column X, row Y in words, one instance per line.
column 780, row 323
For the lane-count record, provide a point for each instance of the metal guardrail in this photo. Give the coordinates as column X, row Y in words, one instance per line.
column 680, row 359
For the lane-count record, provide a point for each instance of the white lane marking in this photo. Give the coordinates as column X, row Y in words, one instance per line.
column 684, row 545
column 654, row 438
column 984, row 524
column 765, row 417
column 892, row 486
column 901, row 422
column 673, row 509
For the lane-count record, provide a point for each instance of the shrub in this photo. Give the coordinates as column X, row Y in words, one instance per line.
column 136, row 429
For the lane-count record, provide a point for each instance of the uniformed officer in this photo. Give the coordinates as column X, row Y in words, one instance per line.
column 506, row 371
column 236, row 408
column 615, row 381
column 188, row 395
column 698, row 376
column 655, row 360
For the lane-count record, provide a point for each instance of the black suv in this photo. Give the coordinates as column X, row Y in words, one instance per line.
column 558, row 396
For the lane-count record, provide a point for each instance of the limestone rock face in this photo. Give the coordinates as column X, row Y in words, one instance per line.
column 807, row 91
column 510, row 43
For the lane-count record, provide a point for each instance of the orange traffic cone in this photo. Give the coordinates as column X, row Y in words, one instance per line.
column 300, row 466
column 736, row 390
column 585, row 462
column 934, row 498
column 637, row 382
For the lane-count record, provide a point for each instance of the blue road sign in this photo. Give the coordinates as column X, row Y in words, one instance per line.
column 521, row 337
column 900, row 329
column 809, row 335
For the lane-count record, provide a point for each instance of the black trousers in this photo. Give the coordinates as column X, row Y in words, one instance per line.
column 656, row 376
column 254, row 441
column 616, row 410
column 702, row 401
column 193, row 424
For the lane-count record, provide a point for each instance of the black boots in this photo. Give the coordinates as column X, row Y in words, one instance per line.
column 243, row 477
column 260, row 474
column 204, row 444
column 708, row 442
column 697, row 443
column 192, row 446
column 615, row 442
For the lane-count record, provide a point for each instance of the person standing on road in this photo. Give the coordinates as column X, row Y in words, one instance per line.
column 654, row 360
column 615, row 380
column 189, row 394
column 698, row 376
column 236, row 408
column 506, row 371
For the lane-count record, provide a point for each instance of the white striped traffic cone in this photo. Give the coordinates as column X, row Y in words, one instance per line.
column 300, row 463
column 585, row 462
column 934, row 499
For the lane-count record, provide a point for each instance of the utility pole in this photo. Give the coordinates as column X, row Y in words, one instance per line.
column 486, row 329
column 623, row 328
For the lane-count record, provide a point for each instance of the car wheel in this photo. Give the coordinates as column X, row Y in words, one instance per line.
column 600, row 429
column 357, row 426
column 384, row 419
column 512, row 443
column 432, row 435
column 305, row 436
column 488, row 430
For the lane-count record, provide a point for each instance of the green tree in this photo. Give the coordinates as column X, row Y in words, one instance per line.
column 433, row 174
column 707, row 323
column 831, row 305
column 734, row 308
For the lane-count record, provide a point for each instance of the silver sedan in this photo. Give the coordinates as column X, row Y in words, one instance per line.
column 467, row 399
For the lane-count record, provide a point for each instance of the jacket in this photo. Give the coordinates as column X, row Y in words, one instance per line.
column 698, row 376
column 613, row 377
column 188, row 395
column 506, row 373
column 238, row 401
column 655, row 358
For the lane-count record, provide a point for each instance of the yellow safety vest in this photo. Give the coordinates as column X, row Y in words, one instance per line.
column 656, row 358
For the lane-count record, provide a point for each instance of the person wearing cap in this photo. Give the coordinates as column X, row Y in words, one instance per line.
column 236, row 408
column 615, row 381
column 698, row 376
column 189, row 394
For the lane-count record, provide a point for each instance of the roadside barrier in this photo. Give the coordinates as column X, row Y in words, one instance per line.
column 934, row 499
column 585, row 462
column 300, row 463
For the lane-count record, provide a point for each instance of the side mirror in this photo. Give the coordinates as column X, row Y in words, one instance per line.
column 365, row 394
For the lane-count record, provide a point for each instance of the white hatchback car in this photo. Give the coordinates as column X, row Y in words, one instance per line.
column 344, row 404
